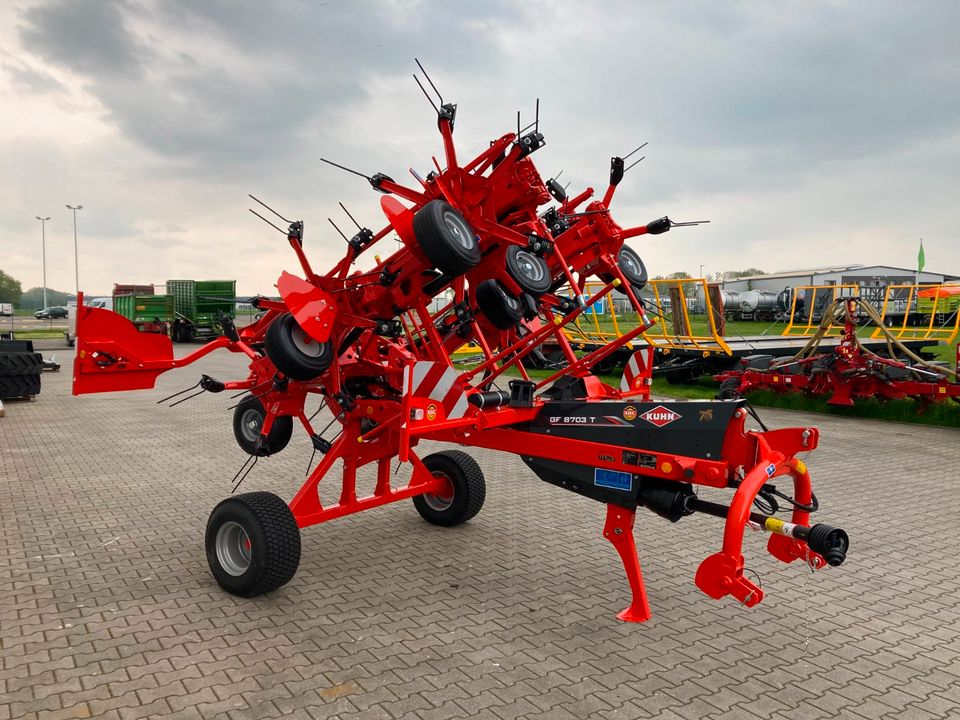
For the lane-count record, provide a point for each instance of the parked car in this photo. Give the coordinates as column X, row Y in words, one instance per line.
column 6, row 309
column 51, row 312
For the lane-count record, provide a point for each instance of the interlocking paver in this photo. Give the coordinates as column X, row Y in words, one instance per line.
column 107, row 608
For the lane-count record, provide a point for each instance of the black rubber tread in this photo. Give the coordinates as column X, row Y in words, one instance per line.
column 439, row 243
column 494, row 302
column 638, row 280
column 516, row 258
column 280, row 432
column 20, row 363
column 469, row 488
column 729, row 389
column 15, row 386
column 274, row 538
column 287, row 357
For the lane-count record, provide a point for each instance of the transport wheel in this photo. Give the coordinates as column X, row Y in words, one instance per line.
column 248, row 419
column 632, row 268
column 464, row 495
column 253, row 544
column 446, row 238
column 295, row 353
column 729, row 390
column 529, row 270
column 499, row 306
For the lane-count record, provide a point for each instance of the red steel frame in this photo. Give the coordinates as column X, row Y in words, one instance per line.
column 845, row 373
column 498, row 194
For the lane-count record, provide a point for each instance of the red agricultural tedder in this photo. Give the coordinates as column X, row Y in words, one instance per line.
column 368, row 343
column 848, row 370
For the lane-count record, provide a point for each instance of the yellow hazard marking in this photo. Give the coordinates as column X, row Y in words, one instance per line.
column 801, row 467
column 666, row 467
column 774, row 525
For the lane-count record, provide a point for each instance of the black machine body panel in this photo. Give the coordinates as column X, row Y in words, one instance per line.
column 635, row 431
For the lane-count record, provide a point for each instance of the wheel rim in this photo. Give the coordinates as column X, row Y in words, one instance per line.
column 458, row 228
column 629, row 264
column 304, row 343
column 233, row 548
column 251, row 421
column 440, row 502
column 530, row 266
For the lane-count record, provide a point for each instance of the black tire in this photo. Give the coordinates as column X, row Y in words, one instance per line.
column 681, row 376
column 633, row 269
column 446, row 238
column 528, row 270
column 729, row 390
column 248, row 419
column 20, row 363
column 253, row 544
column 469, row 489
column 290, row 348
column 15, row 386
column 499, row 306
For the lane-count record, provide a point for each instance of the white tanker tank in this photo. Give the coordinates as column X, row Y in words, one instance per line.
column 760, row 302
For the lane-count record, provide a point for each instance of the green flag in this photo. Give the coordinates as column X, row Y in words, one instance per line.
column 921, row 261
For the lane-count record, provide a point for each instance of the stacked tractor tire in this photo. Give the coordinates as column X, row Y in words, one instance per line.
column 20, row 369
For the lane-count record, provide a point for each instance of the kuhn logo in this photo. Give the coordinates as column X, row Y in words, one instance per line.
column 660, row 416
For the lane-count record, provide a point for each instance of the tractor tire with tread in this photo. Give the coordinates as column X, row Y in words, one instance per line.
column 296, row 354
column 446, row 238
column 20, row 363
column 17, row 386
column 252, row 544
column 468, row 485
column 248, row 419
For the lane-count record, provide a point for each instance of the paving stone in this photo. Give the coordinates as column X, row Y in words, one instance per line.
column 508, row 616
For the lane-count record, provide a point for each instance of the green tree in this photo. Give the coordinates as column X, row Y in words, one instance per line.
column 10, row 289
column 33, row 298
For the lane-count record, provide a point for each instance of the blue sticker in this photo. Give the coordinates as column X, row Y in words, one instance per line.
column 612, row 479
column 771, row 469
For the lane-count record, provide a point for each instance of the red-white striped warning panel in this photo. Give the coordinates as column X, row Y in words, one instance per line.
column 636, row 373
column 438, row 382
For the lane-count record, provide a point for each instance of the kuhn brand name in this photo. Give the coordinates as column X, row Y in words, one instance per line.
column 660, row 416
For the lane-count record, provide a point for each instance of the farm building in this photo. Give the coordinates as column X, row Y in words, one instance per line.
column 871, row 275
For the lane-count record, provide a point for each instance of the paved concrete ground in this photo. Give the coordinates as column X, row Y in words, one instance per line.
column 107, row 608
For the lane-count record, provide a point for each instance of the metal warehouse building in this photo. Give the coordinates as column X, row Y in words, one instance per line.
column 872, row 275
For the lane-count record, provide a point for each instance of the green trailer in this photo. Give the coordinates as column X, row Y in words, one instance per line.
column 200, row 305
column 150, row 313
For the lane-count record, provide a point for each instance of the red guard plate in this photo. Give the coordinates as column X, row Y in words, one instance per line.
column 312, row 307
column 401, row 218
column 113, row 355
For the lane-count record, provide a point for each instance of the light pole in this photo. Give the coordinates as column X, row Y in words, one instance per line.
column 43, row 245
column 701, row 270
column 76, row 254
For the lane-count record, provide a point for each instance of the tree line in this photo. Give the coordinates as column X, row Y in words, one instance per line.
column 11, row 291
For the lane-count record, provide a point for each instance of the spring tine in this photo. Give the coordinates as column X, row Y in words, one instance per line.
column 171, row 397
column 188, row 397
column 252, row 465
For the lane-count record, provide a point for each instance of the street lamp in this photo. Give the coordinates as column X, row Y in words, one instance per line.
column 701, row 270
column 43, row 245
column 76, row 254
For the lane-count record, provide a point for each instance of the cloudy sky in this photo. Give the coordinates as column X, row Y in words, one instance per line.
column 808, row 133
